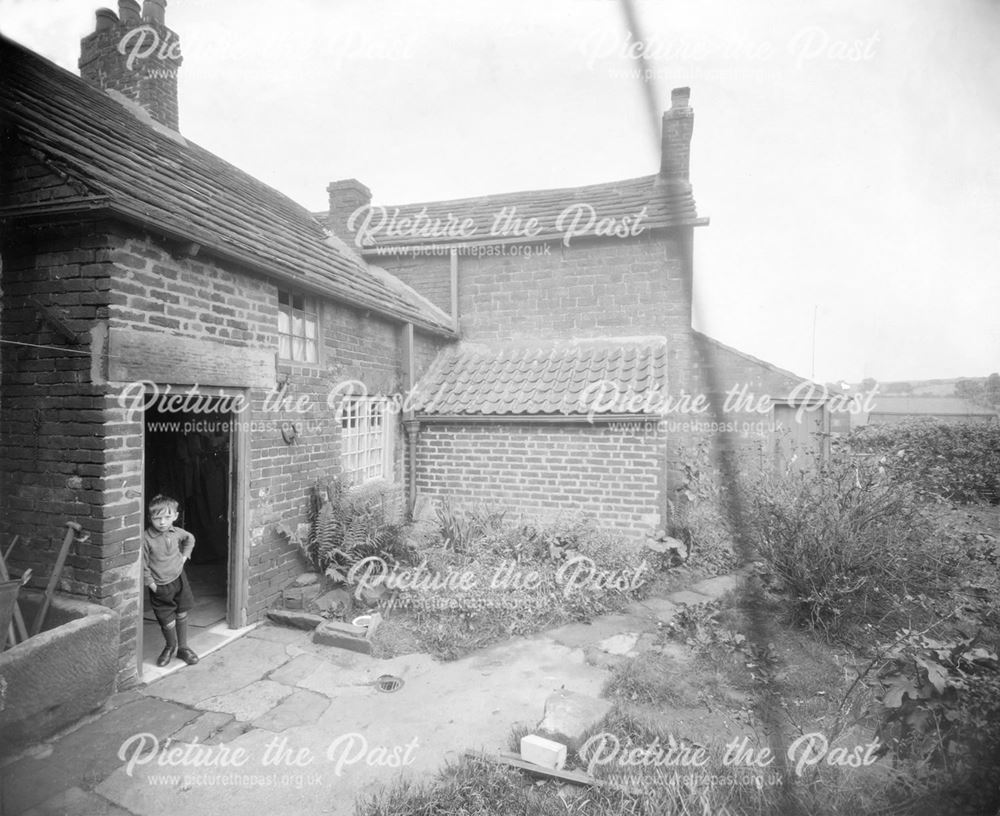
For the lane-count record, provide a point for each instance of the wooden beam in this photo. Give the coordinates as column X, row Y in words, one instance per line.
column 515, row 761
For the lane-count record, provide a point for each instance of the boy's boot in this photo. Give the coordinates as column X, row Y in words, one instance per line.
column 170, row 635
column 183, row 652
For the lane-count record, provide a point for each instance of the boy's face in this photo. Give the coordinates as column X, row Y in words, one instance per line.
column 163, row 519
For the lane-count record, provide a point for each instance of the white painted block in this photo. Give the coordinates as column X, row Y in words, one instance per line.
column 543, row 752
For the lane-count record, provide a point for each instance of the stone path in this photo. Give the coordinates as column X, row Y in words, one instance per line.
column 273, row 723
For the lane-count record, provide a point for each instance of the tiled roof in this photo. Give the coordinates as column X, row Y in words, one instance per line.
column 156, row 178
column 492, row 218
column 543, row 379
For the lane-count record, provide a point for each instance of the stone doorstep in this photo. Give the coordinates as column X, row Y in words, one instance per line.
column 295, row 618
column 347, row 635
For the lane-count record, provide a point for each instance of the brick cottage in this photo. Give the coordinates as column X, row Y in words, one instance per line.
column 169, row 323
column 576, row 383
column 138, row 265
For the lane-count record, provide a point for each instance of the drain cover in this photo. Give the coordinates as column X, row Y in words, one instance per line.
column 389, row 683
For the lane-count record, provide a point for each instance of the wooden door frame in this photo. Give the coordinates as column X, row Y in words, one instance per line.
column 237, row 588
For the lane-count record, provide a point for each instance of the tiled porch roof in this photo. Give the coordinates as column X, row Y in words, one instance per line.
column 548, row 379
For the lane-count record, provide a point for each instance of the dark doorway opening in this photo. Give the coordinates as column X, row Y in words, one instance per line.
column 188, row 456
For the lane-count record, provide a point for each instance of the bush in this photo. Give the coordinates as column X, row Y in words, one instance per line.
column 848, row 544
column 959, row 463
column 939, row 716
column 699, row 517
column 348, row 524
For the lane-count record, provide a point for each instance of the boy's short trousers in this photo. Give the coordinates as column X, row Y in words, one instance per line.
column 169, row 599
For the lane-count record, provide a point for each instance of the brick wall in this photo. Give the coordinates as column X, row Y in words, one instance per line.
column 198, row 299
column 430, row 275
column 53, row 445
column 615, row 476
column 595, row 287
column 72, row 450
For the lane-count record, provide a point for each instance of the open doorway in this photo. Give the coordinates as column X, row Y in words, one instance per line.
column 188, row 456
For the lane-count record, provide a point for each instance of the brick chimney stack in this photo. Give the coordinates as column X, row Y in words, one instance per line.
column 346, row 196
column 133, row 52
column 675, row 145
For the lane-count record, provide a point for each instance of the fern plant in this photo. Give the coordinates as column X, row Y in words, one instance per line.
column 350, row 524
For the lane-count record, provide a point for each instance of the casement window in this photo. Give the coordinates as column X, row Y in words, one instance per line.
column 365, row 439
column 297, row 328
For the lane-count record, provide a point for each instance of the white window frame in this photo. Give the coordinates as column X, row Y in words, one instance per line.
column 298, row 328
column 365, row 439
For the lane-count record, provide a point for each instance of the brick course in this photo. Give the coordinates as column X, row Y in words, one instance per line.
column 616, row 477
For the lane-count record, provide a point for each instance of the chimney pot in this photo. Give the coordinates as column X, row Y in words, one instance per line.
column 106, row 19
column 680, row 97
column 154, row 11
column 346, row 196
column 128, row 11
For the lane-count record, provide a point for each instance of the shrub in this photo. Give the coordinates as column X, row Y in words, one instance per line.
column 348, row 524
column 848, row 544
column 939, row 716
column 959, row 463
column 698, row 517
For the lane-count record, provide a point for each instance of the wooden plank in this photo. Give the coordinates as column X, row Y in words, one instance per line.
column 17, row 626
column 72, row 528
column 166, row 358
column 515, row 761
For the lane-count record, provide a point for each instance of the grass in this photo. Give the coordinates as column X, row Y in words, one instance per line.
column 520, row 579
column 704, row 683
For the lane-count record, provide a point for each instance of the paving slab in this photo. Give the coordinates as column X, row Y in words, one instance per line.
column 686, row 596
column 301, row 707
column 718, row 586
column 249, row 702
column 87, row 755
column 659, row 608
column 222, row 672
column 76, row 802
column 278, row 634
column 619, row 644
column 292, row 672
column 585, row 634
column 204, row 727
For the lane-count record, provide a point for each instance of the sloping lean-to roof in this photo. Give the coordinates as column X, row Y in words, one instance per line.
column 568, row 378
column 163, row 182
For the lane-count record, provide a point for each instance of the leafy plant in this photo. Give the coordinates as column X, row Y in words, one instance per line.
column 940, row 712
column 349, row 524
column 848, row 546
column 955, row 462
column 459, row 527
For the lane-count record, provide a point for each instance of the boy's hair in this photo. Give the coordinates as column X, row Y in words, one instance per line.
column 161, row 502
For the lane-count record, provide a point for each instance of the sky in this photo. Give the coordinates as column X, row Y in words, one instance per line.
column 844, row 150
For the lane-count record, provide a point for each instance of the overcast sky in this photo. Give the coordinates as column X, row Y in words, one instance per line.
column 844, row 150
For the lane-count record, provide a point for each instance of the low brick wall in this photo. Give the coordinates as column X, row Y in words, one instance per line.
column 614, row 475
column 60, row 674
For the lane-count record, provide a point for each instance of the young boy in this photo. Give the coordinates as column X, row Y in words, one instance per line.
column 165, row 548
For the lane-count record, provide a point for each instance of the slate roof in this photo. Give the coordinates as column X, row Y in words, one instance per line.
column 158, row 179
column 666, row 204
column 550, row 379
